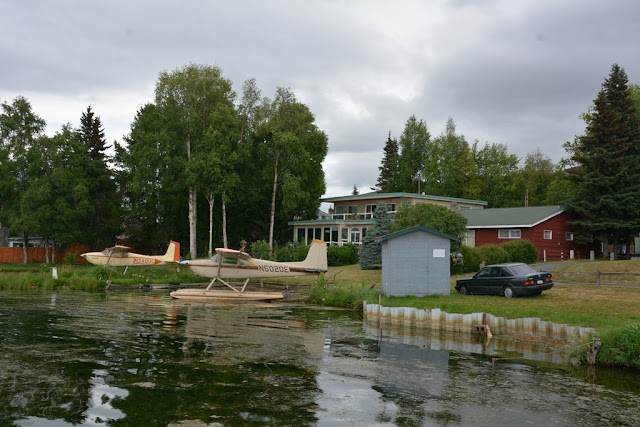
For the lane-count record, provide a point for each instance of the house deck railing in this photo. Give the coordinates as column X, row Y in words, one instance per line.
column 355, row 216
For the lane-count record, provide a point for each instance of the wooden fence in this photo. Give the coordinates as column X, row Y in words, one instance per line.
column 16, row 255
column 597, row 278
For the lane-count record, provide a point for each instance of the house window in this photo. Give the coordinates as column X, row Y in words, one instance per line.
column 508, row 234
column 300, row 235
column 339, row 210
column 548, row 234
column 353, row 209
column 344, row 234
column 355, row 235
column 364, row 232
column 369, row 210
column 391, row 207
column 327, row 234
column 568, row 235
column 334, row 234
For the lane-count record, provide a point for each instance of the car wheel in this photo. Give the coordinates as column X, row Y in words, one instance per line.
column 509, row 292
column 463, row 290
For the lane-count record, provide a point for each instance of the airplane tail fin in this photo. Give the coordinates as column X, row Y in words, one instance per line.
column 173, row 252
column 317, row 256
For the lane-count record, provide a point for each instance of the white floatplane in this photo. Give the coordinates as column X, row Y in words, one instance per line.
column 119, row 256
column 232, row 264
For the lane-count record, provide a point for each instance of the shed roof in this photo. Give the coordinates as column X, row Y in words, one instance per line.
column 420, row 228
column 510, row 217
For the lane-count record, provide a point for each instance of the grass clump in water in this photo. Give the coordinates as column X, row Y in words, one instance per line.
column 620, row 346
column 348, row 296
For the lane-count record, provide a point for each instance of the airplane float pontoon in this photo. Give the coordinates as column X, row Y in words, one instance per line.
column 232, row 264
column 119, row 256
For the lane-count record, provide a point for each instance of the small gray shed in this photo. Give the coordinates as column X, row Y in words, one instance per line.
column 416, row 261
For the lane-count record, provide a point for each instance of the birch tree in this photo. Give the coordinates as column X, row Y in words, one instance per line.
column 189, row 97
column 294, row 148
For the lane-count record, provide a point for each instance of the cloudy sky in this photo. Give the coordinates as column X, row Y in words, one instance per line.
column 514, row 72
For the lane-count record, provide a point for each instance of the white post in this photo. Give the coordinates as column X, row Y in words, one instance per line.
column 545, row 255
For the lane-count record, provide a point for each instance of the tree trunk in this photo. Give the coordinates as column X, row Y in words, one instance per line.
column 224, row 221
column 193, row 208
column 211, row 199
column 46, row 250
column 193, row 216
column 273, row 201
column 25, row 246
column 53, row 251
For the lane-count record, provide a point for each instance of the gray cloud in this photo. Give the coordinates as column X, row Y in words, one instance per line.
column 519, row 73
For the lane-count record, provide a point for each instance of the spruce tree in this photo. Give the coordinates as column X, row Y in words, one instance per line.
column 371, row 248
column 607, row 176
column 387, row 180
column 102, row 228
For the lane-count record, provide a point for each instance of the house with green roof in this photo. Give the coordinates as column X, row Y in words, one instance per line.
column 350, row 216
column 547, row 227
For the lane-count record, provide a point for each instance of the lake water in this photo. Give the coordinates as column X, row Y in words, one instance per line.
column 143, row 359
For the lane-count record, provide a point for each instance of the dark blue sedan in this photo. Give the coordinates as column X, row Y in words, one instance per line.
column 510, row 279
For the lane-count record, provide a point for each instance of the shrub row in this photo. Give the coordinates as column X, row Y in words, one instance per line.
column 514, row 251
column 295, row 251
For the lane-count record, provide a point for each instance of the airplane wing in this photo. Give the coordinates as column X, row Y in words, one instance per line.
column 119, row 249
column 233, row 253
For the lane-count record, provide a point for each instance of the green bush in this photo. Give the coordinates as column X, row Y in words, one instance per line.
column 521, row 251
column 469, row 261
column 490, row 254
column 343, row 255
column 260, row 249
column 292, row 252
column 69, row 258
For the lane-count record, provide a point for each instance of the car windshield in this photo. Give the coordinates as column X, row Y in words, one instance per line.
column 522, row 270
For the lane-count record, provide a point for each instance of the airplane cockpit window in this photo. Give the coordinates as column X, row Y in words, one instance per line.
column 105, row 252
column 229, row 260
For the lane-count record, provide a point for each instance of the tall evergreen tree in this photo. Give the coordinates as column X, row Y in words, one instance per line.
column 607, row 177
column 388, row 178
column 413, row 150
column 103, row 225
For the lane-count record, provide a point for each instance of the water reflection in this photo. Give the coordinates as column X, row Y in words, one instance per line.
column 143, row 359
column 499, row 347
column 101, row 396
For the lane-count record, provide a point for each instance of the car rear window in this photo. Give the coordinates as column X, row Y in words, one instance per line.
column 522, row 270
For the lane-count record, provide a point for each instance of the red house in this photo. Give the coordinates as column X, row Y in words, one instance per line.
column 545, row 226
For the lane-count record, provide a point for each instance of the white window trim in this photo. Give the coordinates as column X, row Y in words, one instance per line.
column 568, row 235
column 544, row 235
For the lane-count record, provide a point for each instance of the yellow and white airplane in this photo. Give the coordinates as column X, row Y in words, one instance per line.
column 233, row 264
column 119, row 256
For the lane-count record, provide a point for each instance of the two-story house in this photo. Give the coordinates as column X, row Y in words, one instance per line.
column 350, row 216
